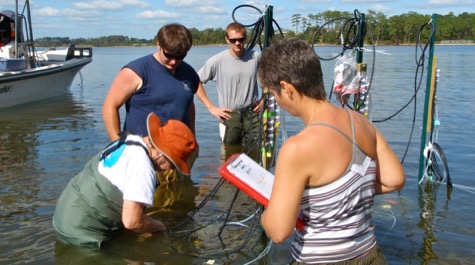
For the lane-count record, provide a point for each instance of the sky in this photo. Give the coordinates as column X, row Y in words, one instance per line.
column 142, row 18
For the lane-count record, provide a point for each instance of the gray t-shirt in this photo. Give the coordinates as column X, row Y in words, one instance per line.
column 236, row 78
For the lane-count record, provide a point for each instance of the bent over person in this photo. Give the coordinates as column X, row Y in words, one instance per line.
column 111, row 192
column 328, row 174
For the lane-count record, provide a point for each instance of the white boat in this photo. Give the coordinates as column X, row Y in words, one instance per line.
column 26, row 74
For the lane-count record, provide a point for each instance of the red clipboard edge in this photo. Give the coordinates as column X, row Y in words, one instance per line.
column 236, row 181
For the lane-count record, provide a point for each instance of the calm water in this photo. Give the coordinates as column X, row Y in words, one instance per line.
column 45, row 144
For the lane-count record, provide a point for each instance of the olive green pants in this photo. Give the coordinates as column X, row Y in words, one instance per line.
column 241, row 128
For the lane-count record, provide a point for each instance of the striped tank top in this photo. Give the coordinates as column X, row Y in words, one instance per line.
column 338, row 222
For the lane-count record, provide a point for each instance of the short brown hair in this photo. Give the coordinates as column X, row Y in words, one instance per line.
column 175, row 39
column 236, row 27
column 294, row 61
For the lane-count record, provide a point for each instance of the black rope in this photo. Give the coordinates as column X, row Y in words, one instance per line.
column 420, row 65
column 422, row 48
column 252, row 144
column 199, row 207
column 228, row 212
column 349, row 29
column 436, row 168
column 250, row 232
column 258, row 27
column 353, row 36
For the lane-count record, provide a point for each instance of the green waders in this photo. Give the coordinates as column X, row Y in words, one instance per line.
column 242, row 127
column 89, row 211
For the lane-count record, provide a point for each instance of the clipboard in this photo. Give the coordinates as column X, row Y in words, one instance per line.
column 250, row 177
column 243, row 172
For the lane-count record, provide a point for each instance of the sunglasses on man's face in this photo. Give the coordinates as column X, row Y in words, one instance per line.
column 171, row 56
column 241, row 40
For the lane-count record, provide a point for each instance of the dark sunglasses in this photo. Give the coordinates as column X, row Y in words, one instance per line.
column 171, row 56
column 241, row 40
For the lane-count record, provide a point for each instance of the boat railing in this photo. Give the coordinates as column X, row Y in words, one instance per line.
column 78, row 52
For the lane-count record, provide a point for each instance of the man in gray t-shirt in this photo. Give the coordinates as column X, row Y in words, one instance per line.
column 235, row 73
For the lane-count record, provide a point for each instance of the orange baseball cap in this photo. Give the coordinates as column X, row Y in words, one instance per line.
column 174, row 139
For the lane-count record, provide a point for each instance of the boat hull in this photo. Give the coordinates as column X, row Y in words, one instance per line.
column 39, row 83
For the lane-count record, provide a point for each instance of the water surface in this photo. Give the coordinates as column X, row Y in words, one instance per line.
column 44, row 144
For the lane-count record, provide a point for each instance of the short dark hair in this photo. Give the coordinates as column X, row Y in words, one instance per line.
column 294, row 61
column 175, row 39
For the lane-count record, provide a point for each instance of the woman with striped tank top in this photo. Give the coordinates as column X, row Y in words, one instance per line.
column 328, row 174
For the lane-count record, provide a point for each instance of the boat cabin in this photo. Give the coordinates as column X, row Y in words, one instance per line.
column 9, row 33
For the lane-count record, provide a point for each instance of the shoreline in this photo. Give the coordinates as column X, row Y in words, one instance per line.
column 319, row 45
column 440, row 43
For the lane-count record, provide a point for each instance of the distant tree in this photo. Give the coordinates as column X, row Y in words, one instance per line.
column 296, row 18
column 465, row 26
column 379, row 24
column 310, row 18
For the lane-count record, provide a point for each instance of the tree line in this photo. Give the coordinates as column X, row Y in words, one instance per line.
column 321, row 28
column 326, row 27
column 200, row 37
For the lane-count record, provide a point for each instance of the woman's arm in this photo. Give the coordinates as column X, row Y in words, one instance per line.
column 390, row 173
column 280, row 216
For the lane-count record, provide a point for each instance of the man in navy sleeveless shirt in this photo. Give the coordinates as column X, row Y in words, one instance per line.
column 161, row 83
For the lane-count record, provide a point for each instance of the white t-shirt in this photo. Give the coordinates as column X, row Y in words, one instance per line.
column 130, row 169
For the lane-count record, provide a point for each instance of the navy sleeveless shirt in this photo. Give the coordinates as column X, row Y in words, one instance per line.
column 167, row 95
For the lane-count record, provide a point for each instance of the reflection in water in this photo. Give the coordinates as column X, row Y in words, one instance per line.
column 429, row 213
column 212, row 222
column 173, row 200
column 194, row 239
column 227, row 151
column 231, row 230
column 65, row 254
column 27, row 194
column 43, row 145
column 224, row 232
